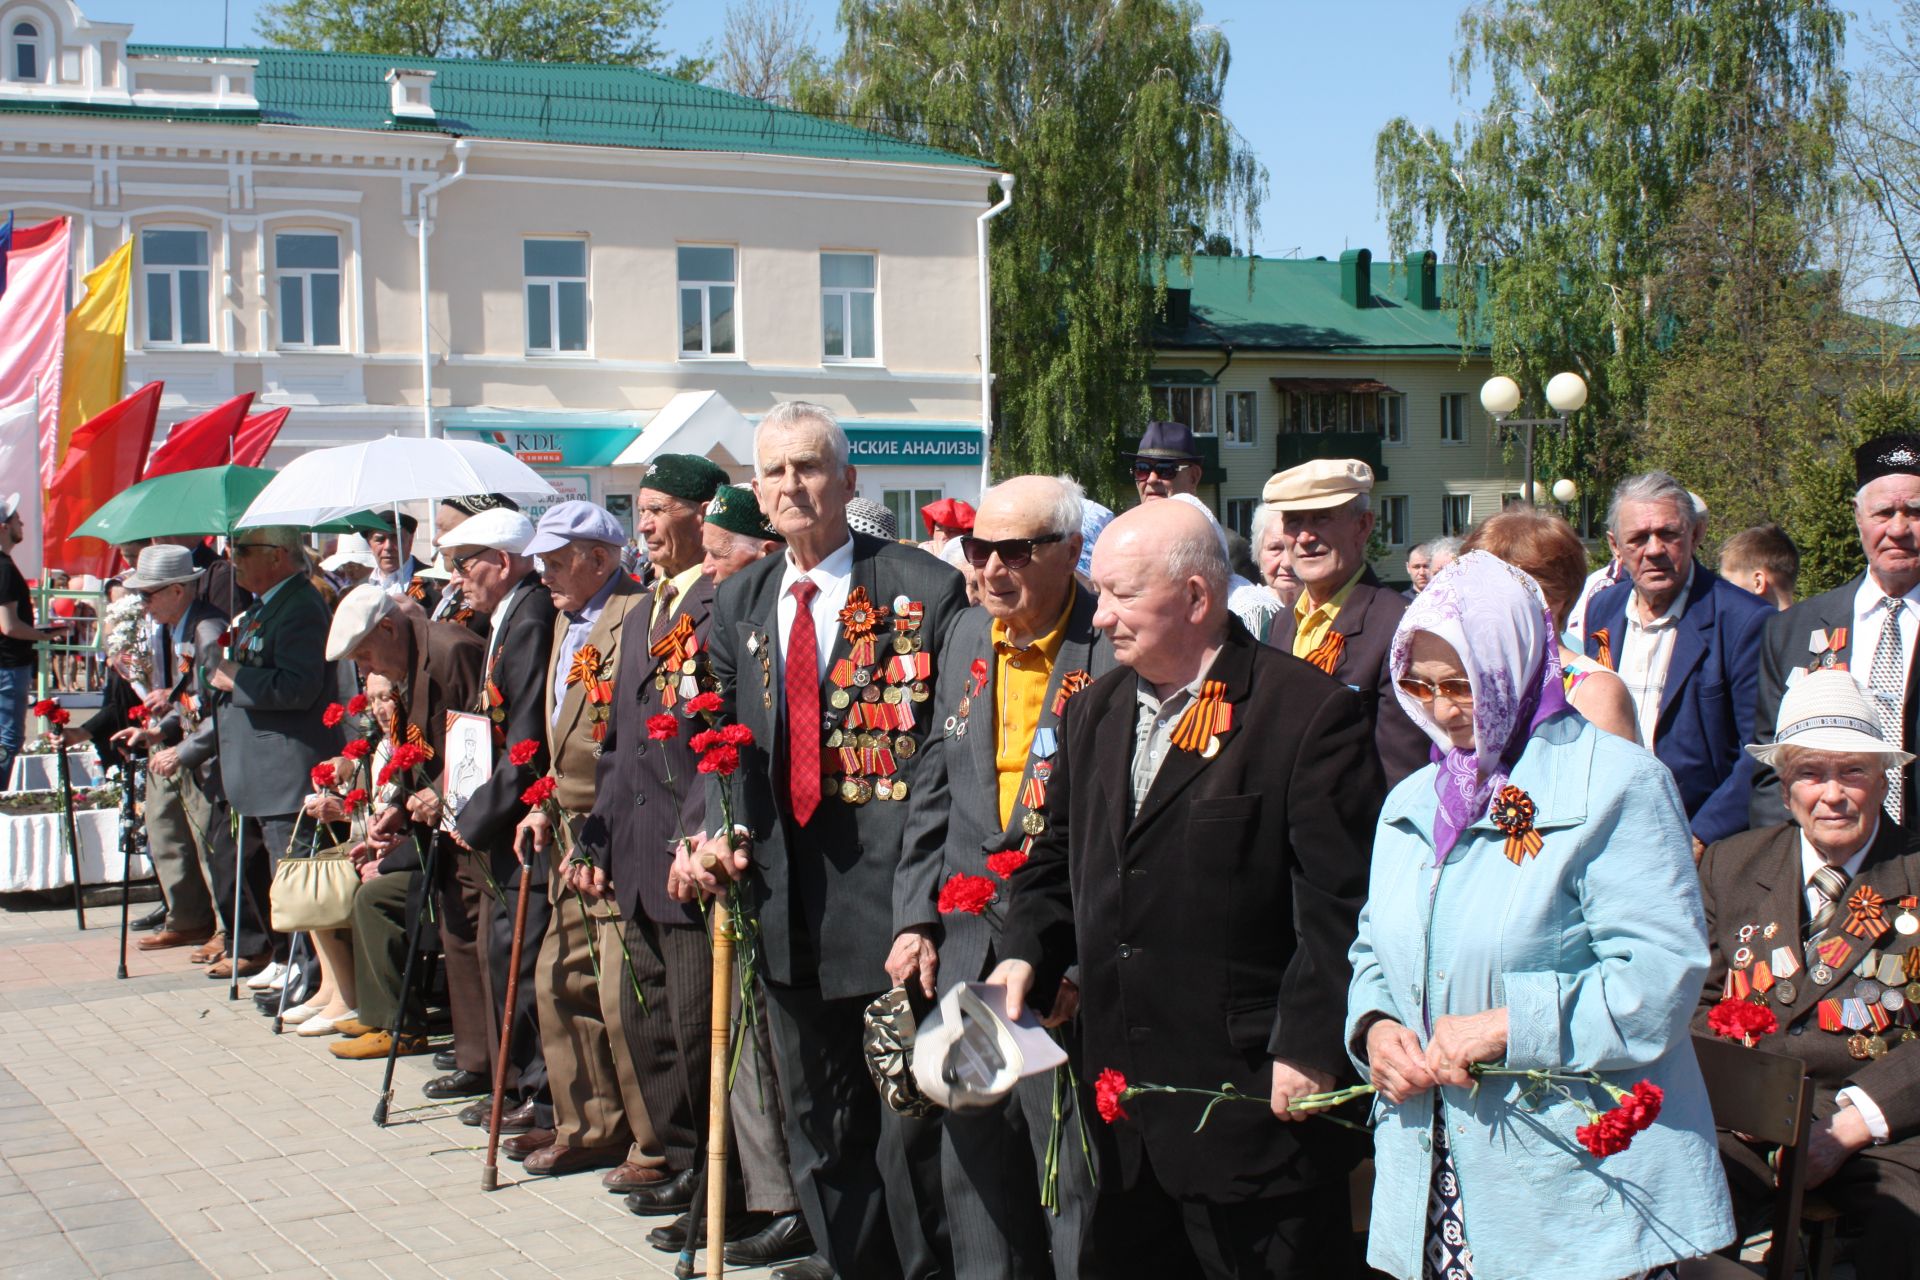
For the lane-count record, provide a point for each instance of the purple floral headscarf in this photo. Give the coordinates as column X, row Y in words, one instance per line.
column 1497, row 620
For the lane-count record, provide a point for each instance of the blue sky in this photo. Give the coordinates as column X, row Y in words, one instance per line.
column 1310, row 86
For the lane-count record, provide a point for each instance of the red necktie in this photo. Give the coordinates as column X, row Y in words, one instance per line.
column 803, row 705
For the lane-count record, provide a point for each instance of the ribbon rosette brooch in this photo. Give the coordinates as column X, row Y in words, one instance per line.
column 1513, row 813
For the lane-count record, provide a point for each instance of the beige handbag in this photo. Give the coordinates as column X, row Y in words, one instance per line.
column 314, row 892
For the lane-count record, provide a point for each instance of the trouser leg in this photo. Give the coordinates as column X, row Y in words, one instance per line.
column 668, row 1043
column 380, row 946
column 462, row 897
column 627, row 978
column 527, row 1072
column 175, row 848
column 249, row 932
column 992, row 1196
column 587, row 1110
column 758, row 1116
column 16, row 689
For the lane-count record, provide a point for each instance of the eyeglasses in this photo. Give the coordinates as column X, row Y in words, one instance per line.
column 1142, row 468
column 1014, row 553
column 1459, row 692
column 459, row 563
column 241, row 547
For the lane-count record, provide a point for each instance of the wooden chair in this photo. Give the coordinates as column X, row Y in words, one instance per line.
column 1768, row 1097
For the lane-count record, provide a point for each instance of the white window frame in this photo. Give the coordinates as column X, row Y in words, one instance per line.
column 551, row 284
column 1240, row 419
column 1170, row 389
column 1390, row 503
column 915, row 497
column 1453, row 425
column 172, row 273
column 37, row 41
column 706, row 287
column 1398, row 436
column 305, row 276
column 1450, row 527
column 842, row 294
column 1235, row 508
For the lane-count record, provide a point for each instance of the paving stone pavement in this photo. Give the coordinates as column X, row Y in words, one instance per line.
column 149, row 1128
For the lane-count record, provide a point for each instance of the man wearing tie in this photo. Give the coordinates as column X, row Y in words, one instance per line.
column 828, row 654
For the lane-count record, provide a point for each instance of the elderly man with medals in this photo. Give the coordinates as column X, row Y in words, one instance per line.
column 1814, row 925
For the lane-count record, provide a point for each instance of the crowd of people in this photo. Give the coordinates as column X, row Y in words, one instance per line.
column 1296, row 868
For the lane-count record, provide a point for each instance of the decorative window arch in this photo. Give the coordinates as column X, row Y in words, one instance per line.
column 27, row 51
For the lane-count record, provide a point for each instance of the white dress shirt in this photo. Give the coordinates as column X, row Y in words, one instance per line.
column 1645, row 653
column 1868, row 620
column 834, row 577
column 1810, row 862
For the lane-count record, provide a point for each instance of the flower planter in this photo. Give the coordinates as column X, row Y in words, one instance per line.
column 33, row 858
column 35, row 772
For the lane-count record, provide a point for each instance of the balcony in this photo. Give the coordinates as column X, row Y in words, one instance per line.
column 1293, row 448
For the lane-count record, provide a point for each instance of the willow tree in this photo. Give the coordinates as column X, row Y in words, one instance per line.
column 1108, row 114
column 606, row 31
column 1560, row 190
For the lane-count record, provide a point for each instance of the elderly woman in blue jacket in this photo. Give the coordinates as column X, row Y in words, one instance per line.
column 1572, row 941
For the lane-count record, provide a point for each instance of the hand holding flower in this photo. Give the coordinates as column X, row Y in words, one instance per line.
column 1396, row 1061
column 1292, row 1082
column 1460, row 1040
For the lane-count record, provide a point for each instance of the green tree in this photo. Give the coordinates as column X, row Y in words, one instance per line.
column 1819, row 506
column 1559, row 192
column 1108, row 114
column 600, row 31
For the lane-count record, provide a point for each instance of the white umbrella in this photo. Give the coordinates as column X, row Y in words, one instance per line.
column 329, row 483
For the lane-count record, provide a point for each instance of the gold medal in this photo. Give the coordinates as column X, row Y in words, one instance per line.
column 1212, row 748
column 892, row 695
column 1857, row 1047
column 863, row 790
column 1876, row 1047
column 1033, row 823
column 920, row 691
column 834, row 740
column 904, row 747
column 899, row 790
column 841, row 699
column 849, row 791
column 902, row 644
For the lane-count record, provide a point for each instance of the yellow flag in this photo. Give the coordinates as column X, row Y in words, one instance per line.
column 96, row 351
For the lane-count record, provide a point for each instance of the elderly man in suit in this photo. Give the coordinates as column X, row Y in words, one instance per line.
column 497, row 580
column 1817, row 919
column 1206, row 873
column 601, row 1119
column 1343, row 619
column 1867, row 626
column 271, row 726
column 1687, row 645
column 829, row 654
column 981, row 803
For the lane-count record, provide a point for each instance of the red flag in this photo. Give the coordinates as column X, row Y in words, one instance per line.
column 103, row 458
column 256, row 435
column 205, row 440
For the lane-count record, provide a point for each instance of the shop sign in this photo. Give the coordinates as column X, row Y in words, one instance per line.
column 560, row 446
column 569, row 487
column 914, row 446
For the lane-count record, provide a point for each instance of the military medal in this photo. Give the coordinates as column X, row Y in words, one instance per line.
column 1785, row 963
column 1204, row 721
column 1741, row 958
column 1858, row 1047
column 1785, row 991
column 1864, row 913
column 1033, row 823
column 1821, row 975
column 590, row 670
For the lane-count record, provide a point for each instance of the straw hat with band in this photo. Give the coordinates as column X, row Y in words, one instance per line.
column 1827, row 710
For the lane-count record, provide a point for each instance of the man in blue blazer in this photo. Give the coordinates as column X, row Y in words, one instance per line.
column 1687, row 644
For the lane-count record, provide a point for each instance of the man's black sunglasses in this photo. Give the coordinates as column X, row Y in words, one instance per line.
column 1014, row 553
column 1142, row 468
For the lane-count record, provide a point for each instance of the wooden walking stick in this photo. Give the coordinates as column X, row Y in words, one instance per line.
column 490, row 1175
column 717, row 1084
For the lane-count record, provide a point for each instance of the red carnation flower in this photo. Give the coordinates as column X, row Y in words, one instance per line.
column 333, row 715
column 663, row 727
column 136, row 714
column 721, row 759
column 45, row 707
column 705, row 739
column 703, row 704
column 737, row 735
column 1742, row 1020
column 357, row 749
column 523, row 752
column 354, row 798
column 323, row 775
column 1642, row 1106
column 226, row 638
column 357, row 704
column 1109, row 1088
column 1005, row 864
column 386, row 773
column 1609, row 1135
column 539, row 793
column 970, row 894
column 408, row 756
column 59, row 716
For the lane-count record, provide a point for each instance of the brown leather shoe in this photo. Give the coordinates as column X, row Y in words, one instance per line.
column 557, row 1161
column 215, row 948
column 378, row 1044
column 631, row 1177
column 249, row 965
column 353, row 1027
column 523, row 1145
column 165, row 938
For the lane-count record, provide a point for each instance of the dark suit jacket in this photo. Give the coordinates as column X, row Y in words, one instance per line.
column 199, row 745
column 1754, row 878
column 1212, row 928
column 824, row 893
column 519, row 672
column 1707, row 704
column 955, row 813
column 446, row 677
column 650, row 793
column 1368, row 620
column 1786, row 648
column 271, row 732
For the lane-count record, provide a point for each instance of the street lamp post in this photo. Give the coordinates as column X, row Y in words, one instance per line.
column 1500, row 396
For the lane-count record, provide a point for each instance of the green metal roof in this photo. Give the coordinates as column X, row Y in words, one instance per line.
column 1295, row 305
column 579, row 104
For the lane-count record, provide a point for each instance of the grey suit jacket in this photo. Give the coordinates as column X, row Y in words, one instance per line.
column 954, row 823
column 198, row 741
column 823, row 892
column 271, row 727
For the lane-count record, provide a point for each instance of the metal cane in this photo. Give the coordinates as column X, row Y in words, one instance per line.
column 64, row 777
column 490, row 1175
column 129, row 842
column 406, row 977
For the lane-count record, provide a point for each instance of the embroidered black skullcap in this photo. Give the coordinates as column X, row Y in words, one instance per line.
column 1894, row 455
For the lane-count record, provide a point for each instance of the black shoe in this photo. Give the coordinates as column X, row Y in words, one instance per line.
column 783, row 1239
column 152, row 920
column 457, row 1084
column 445, row 1061
column 813, row 1268
column 673, row 1237
column 675, row 1195
column 515, row 1118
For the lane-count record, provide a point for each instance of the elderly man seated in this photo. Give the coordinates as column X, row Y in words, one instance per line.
column 1816, row 922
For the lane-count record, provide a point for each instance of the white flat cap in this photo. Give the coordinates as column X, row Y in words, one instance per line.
column 354, row 619
column 497, row 529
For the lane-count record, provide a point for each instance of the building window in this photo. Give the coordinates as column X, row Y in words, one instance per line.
column 707, row 301
column 905, row 505
column 847, row 282
column 307, row 265
column 1393, row 418
column 1453, row 418
column 556, row 272
column 1393, row 521
column 1190, row 405
column 26, row 52
column 1240, row 424
column 1240, row 515
column 173, row 265
column 1456, row 514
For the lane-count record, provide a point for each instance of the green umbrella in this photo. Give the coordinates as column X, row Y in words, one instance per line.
column 190, row 503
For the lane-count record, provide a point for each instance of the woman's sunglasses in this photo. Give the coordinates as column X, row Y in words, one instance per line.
column 1458, row 692
column 1014, row 553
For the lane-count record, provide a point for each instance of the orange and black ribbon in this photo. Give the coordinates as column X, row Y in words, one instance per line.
column 419, row 739
column 1603, row 648
column 1513, row 814
column 1205, row 718
column 1865, row 918
column 1070, row 684
column 1326, row 654
column 672, row 650
column 859, row 620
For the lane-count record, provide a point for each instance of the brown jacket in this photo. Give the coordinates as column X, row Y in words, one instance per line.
column 570, row 737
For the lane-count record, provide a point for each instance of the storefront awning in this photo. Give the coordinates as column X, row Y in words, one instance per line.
column 696, row 422
column 1332, row 386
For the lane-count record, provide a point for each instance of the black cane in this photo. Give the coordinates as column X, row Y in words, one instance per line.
column 128, row 843
column 64, row 775
column 406, row 976
column 687, row 1264
column 239, row 881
